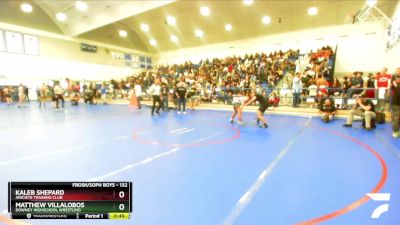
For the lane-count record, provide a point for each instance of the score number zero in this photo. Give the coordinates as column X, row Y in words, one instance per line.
column 121, row 195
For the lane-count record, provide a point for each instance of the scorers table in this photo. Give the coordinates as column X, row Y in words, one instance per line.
column 70, row 200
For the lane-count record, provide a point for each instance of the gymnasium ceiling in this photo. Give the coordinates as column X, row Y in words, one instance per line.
column 104, row 19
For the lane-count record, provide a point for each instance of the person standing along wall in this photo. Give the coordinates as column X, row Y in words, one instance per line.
column 164, row 96
column 138, row 93
column 7, row 94
column 382, row 83
column 59, row 95
column 26, row 93
column 42, row 95
column 103, row 91
column 297, row 87
column 155, row 91
column 396, row 104
column 181, row 92
column 21, row 96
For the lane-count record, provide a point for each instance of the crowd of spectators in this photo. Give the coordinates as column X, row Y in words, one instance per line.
column 217, row 79
column 211, row 80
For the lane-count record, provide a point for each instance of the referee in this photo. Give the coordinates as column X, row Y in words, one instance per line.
column 155, row 91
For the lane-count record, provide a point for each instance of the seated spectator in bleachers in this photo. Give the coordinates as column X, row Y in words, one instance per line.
column 321, row 82
column 324, row 69
column 336, row 88
column 357, row 84
column 364, row 108
column 321, row 54
column 370, row 86
column 311, row 72
column 328, row 110
column 312, row 89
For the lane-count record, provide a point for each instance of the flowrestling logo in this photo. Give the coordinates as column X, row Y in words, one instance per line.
column 379, row 197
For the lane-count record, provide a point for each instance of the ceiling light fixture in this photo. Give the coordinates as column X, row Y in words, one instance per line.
column 61, row 17
column 144, row 27
column 371, row 3
column 123, row 33
column 25, row 7
column 312, row 11
column 266, row 20
column 228, row 27
column 174, row 38
column 81, row 6
column 199, row 33
column 248, row 2
column 153, row 42
column 205, row 11
column 171, row 20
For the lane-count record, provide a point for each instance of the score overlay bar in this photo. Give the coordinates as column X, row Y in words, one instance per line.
column 70, row 200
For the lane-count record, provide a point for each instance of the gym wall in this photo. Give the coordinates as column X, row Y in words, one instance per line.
column 61, row 57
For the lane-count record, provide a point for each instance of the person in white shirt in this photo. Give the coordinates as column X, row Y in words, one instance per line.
column 21, row 96
column 297, row 88
column 138, row 93
column 155, row 91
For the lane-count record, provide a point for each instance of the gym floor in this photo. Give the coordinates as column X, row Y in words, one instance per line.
column 198, row 169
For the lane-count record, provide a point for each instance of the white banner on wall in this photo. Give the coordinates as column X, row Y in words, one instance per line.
column 2, row 46
column 135, row 61
column 117, row 55
column 14, row 42
column 31, row 44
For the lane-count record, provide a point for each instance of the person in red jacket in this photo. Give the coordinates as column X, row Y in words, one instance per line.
column 274, row 99
column 382, row 83
column 382, row 79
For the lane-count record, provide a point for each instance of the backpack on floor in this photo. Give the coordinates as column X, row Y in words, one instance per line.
column 373, row 123
column 380, row 117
